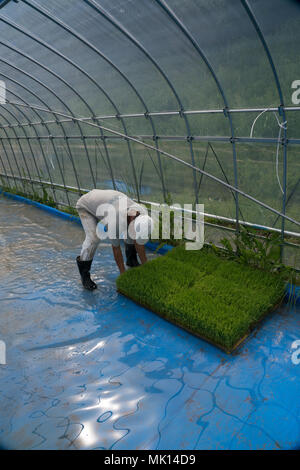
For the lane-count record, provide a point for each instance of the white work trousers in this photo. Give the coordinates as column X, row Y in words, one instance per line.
column 91, row 242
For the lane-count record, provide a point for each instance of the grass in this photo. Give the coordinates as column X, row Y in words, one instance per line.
column 214, row 298
column 46, row 199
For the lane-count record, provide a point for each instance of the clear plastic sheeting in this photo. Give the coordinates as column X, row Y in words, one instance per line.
column 105, row 94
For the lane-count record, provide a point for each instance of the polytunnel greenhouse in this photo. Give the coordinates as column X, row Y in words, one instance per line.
column 163, row 103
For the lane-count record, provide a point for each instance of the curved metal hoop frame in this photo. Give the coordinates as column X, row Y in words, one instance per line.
column 11, row 120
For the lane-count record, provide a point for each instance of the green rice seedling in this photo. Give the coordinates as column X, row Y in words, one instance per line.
column 213, row 297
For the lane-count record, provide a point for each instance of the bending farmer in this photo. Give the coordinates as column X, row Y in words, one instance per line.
column 122, row 218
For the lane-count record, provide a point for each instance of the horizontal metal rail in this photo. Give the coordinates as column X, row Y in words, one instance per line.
column 170, row 156
column 226, row 219
column 171, row 113
column 73, row 189
column 199, row 138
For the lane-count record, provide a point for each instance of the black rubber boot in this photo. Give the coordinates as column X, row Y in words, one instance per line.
column 84, row 269
column 131, row 256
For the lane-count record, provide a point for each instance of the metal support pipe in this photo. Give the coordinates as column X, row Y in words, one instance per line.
column 14, row 157
column 132, row 39
column 207, row 215
column 163, row 4
column 27, row 137
column 281, row 111
column 285, row 142
column 95, row 82
column 16, row 137
column 59, row 99
column 57, row 21
column 42, row 150
column 39, row 140
column 199, row 138
column 67, row 84
column 47, row 110
column 47, row 46
column 32, row 153
column 6, row 174
column 13, row 152
column 179, row 160
column 29, row 143
column 172, row 113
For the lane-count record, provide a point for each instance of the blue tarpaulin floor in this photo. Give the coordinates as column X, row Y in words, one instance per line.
column 95, row 371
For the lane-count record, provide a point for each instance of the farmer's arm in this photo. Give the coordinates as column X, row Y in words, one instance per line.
column 141, row 252
column 119, row 258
